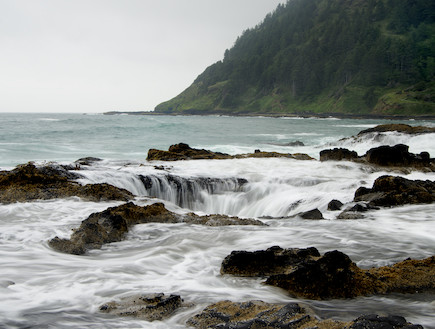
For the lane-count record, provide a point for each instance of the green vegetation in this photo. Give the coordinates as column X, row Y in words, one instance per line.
column 324, row 56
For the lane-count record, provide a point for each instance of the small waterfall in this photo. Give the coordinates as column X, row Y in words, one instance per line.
column 193, row 192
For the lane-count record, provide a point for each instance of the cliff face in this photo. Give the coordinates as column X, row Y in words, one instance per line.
column 324, row 56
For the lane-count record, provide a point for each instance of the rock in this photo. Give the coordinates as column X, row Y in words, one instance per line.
column 335, row 205
column 311, row 214
column 87, row 161
column 402, row 128
column 257, row 314
column 374, row 321
column 28, row 182
column 251, row 314
column 337, row 154
column 332, row 275
column 148, row 307
column 274, row 260
column 394, row 190
column 397, row 156
column 112, row 224
column 183, row 151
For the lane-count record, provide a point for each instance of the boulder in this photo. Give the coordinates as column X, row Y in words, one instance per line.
column 335, row 205
column 149, row 307
column 29, row 182
column 395, row 190
column 374, row 321
column 311, row 214
column 337, row 154
column 112, row 224
column 397, row 156
column 332, row 275
column 274, row 260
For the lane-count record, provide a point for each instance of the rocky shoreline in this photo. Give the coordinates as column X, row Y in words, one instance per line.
column 303, row 273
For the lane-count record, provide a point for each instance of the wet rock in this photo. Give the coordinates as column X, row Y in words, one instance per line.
column 335, row 205
column 147, row 307
column 337, row 154
column 251, row 314
column 394, row 190
column 183, row 151
column 311, row 214
column 397, row 156
column 86, row 161
column 274, row 260
column 374, row 321
column 29, row 182
column 260, row 315
column 355, row 212
column 332, row 275
column 112, row 224
column 402, row 128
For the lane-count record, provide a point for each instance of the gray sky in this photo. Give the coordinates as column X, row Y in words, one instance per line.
column 104, row 55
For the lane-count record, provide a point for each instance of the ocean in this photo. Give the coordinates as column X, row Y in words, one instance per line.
column 42, row 288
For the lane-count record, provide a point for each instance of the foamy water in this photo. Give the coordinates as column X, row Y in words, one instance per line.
column 42, row 288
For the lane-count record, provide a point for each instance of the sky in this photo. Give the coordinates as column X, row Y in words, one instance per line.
column 113, row 55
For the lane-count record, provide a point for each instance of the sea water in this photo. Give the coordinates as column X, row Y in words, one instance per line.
column 42, row 288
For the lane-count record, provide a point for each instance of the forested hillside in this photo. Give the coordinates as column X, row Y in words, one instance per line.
column 324, row 56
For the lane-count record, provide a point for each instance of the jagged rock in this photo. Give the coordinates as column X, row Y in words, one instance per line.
column 311, row 214
column 333, row 275
column 337, row 154
column 402, row 128
column 183, row 151
column 111, row 225
column 274, row 260
column 335, row 205
column 251, row 314
column 28, row 182
column 260, row 315
column 397, row 156
column 394, row 190
column 374, row 321
column 148, row 307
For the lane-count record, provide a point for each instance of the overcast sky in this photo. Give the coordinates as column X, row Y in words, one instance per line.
column 105, row 55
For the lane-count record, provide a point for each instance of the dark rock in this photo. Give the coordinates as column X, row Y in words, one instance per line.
column 252, row 314
column 333, row 275
column 274, row 260
column 335, row 205
column 183, row 151
column 112, row 224
column 374, row 321
column 311, row 214
column 86, row 161
column 397, row 156
column 337, row 154
column 402, row 128
column 28, row 182
column 394, row 190
column 148, row 307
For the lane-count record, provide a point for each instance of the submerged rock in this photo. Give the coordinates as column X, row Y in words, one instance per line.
column 332, row 275
column 183, row 151
column 395, row 190
column 260, row 315
column 29, row 182
column 111, row 225
column 147, row 307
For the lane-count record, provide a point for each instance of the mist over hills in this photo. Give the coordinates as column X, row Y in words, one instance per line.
column 324, row 56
